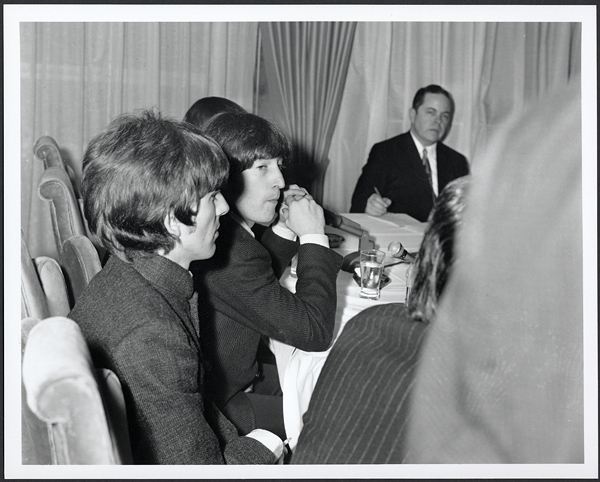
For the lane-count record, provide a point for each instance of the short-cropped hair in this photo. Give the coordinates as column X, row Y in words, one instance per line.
column 206, row 108
column 436, row 254
column 431, row 89
column 246, row 138
column 139, row 170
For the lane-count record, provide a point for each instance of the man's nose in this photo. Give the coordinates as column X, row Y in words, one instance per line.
column 222, row 205
column 278, row 180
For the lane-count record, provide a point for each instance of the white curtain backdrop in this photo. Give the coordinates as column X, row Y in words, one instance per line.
column 491, row 69
column 76, row 77
column 308, row 62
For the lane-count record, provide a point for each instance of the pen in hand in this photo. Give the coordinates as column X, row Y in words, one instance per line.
column 387, row 202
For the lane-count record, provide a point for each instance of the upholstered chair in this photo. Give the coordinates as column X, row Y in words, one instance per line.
column 46, row 149
column 74, row 414
column 80, row 263
column 77, row 256
column 43, row 287
column 56, row 187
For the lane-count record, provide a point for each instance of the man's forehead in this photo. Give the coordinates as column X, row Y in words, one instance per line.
column 438, row 101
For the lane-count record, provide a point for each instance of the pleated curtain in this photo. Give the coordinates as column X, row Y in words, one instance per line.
column 335, row 88
column 492, row 70
column 76, row 77
column 308, row 62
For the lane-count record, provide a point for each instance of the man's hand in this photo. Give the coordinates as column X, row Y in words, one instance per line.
column 292, row 192
column 305, row 216
column 377, row 205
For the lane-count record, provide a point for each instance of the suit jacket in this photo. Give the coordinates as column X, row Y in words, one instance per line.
column 242, row 300
column 396, row 169
column 359, row 409
column 136, row 320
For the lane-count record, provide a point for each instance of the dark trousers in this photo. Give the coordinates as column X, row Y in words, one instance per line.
column 261, row 408
column 267, row 401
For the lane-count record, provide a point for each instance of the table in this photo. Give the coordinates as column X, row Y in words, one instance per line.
column 299, row 370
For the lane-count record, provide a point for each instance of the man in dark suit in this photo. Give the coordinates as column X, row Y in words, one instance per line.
column 405, row 174
column 241, row 297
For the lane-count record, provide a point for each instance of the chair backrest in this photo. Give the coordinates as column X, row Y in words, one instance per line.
column 78, row 257
column 80, row 263
column 35, row 443
column 83, row 409
column 46, row 149
column 56, row 187
column 43, row 287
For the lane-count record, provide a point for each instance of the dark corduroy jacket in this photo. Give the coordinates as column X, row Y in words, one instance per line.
column 136, row 320
column 359, row 409
column 243, row 300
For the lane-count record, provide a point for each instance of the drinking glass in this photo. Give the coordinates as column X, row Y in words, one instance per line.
column 371, row 269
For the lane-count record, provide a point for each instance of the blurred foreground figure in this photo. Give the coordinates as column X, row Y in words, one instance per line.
column 206, row 108
column 358, row 411
column 501, row 376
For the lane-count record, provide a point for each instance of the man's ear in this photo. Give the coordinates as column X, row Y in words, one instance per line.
column 412, row 114
column 173, row 225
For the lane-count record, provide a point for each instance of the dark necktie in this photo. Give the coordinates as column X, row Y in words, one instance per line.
column 428, row 171
column 427, row 167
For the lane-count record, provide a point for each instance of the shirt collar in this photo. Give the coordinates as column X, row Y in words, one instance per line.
column 238, row 219
column 431, row 150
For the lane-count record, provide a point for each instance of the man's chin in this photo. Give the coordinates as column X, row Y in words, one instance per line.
column 267, row 220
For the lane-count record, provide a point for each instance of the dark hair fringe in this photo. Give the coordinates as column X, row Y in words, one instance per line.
column 246, row 138
column 140, row 169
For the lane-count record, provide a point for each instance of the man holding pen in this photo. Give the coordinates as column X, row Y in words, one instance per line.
column 404, row 174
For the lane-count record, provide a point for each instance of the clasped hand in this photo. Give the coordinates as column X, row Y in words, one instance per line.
column 300, row 213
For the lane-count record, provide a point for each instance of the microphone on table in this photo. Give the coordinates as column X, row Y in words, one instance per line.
column 338, row 221
column 396, row 250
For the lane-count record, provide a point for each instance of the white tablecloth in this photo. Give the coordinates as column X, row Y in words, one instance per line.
column 299, row 370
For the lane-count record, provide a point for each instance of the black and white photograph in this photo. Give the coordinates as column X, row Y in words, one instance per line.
column 300, row 241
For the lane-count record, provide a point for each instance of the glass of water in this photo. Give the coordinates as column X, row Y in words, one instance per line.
column 371, row 270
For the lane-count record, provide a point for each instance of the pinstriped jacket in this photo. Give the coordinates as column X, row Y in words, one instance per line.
column 359, row 409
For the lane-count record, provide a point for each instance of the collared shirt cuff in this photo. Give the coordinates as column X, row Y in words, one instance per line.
column 283, row 232
column 321, row 239
column 269, row 440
